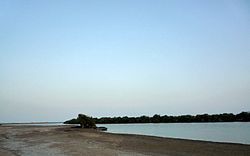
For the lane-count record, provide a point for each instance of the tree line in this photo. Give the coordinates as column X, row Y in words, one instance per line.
column 225, row 117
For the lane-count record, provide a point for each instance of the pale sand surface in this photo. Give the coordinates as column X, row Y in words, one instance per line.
column 64, row 140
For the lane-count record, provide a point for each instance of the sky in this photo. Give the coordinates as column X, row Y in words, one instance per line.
column 59, row 58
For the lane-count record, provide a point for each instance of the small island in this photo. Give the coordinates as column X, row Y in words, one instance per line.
column 224, row 117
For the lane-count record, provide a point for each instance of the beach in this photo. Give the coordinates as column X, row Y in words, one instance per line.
column 65, row 140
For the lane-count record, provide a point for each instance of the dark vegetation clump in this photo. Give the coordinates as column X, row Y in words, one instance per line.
column 225, row 117
column 84, row 120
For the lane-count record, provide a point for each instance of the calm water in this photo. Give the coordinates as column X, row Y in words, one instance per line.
column 235, row 132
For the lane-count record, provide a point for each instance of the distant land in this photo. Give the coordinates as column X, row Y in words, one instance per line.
column 44, row 122
column 224, row 117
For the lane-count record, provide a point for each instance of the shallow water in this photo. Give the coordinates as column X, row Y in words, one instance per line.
column 234, row 132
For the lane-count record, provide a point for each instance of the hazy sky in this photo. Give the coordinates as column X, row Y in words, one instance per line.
column 123, row 57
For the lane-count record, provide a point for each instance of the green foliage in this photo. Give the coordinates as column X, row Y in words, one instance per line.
column 72, row 121
column 243, row 116
column 89, row 122
column 83, row 120
column 225, row 117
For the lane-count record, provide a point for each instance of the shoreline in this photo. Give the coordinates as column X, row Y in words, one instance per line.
column 181, row 139
column 64, row 140
column 230, row 141
column 127, row 134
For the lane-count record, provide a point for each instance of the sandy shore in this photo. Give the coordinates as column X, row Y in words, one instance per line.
column 63, row 140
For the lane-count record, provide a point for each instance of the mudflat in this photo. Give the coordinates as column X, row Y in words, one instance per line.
column 64, row 140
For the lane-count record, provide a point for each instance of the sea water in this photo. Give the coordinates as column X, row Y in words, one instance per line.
column 232, row 132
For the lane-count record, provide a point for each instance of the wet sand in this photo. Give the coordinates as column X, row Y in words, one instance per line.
column 64, row 140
